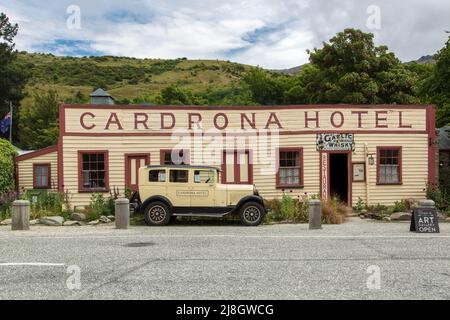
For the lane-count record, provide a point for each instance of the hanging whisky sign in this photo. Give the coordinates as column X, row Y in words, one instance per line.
column 335, row 142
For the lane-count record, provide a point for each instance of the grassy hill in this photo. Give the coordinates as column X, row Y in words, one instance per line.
column 125, row 78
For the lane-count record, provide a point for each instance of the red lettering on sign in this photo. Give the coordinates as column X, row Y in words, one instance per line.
column 163, row 124
column 250, row 122
column 400, row 121
column 316, row 119
column 196, row 122
column 92, row 126
column 341, row 123
column 378, row 119
column 225, row 121
column 138, row 121
column 113, row 119
column 359, row 113
column 273, row 119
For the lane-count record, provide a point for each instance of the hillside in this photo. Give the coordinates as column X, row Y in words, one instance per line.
column 131, row 79
column 125, row 78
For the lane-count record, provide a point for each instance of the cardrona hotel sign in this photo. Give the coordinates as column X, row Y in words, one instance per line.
column 140, row 120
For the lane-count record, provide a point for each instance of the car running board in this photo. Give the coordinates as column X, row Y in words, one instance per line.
column 212, row 215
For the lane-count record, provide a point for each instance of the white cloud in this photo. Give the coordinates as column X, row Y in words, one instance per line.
column 272, row 34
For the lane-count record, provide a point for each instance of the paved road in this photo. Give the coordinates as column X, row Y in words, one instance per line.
column 225, row 262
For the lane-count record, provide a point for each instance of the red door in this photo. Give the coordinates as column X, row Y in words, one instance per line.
column 132, row 164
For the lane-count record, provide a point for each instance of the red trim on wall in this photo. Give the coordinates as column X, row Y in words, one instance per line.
column 237, row 170
column 349, row 175
column 127, row 156
column 400, row 164
column 80, row 169
column 37, row 153
column 431, row 125
column 186, row 155
column 268, row 107
column 277, row 174
column 49, row 175
column 282, row 133
column 62, row 130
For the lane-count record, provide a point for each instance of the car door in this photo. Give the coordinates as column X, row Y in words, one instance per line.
column 203, row 188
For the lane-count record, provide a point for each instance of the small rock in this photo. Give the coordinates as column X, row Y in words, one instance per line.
column 71, row 223
column 386, row 218
column 104, row 219
column 93, row 222
column 6, row 222
column 362, row 216
column 111, row 217
column 401, row 216
column 447, row 219
column 34, row 222
column 78, row 216
column 52, row 221
column 441, row 217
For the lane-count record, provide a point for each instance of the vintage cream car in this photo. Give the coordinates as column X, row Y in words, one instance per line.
column 167, row 191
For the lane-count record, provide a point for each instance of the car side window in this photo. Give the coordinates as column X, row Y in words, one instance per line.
column 203, row 176
column 179, row 176
column 157, row 176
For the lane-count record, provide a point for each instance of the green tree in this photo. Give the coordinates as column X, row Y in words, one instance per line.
column 436, row 88
column 39, row 121
column 179, row 96
column 351, row 69
column 12, row 78
column 7, row 153
column 266, row 87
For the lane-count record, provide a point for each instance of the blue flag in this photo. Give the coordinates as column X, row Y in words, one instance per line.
column 5, row 124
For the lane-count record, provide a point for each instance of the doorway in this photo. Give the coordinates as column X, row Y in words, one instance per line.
column 339, row 176
column 132, row 164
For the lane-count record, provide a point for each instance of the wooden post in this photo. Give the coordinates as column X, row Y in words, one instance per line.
column 315, row 214
column 20, row 215
column 122, row 213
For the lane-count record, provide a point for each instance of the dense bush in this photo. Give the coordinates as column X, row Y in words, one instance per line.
column 7, row 153
column 288, row 209
column 333, row 211
column 438, row 195
column 48, row 203
column 6, row 200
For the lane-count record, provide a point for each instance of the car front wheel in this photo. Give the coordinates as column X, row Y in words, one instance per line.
column 157, row 214
column 251, row 214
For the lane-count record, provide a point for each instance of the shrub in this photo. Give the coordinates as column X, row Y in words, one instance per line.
column 6, row 200
column 7, row 153
column 360, row 205
column 333, row 211
column 48, row 203
column 287, row 207
column 437, row 195
column 379, row 208
column 399, row 206
column 97, row 207
column 274, row 207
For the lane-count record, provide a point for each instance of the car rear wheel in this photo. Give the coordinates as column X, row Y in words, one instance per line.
column 157, row 214
column 251, row 213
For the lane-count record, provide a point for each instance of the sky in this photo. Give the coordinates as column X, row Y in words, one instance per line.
column 272, row 34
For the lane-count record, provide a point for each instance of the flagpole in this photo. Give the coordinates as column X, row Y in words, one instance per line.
column 11, row 126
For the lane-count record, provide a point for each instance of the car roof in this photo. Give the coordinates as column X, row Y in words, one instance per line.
column 181, row 166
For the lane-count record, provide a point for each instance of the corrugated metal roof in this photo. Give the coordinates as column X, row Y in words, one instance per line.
column 443, row 137
column 100, row 93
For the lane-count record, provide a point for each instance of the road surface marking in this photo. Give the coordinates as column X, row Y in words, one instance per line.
column 39, row 264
